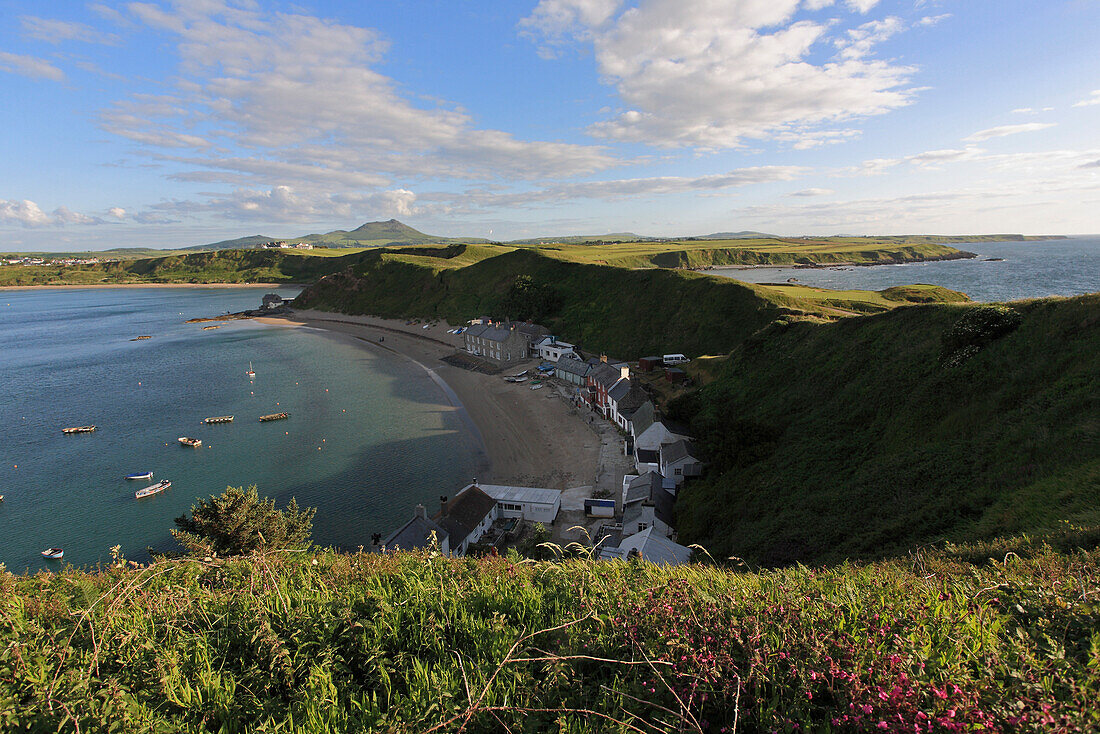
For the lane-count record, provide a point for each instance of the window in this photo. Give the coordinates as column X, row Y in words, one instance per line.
column 679, row 471
column 511, row 507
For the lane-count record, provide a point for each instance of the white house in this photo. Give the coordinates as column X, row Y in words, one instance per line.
column 466, row 517
column 678, row 461
column 649, row 436
column 550, row 349
column 535, row 504
column 650, row 546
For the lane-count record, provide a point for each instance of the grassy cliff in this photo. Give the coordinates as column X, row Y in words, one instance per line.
column 224, row 266
column 866, row 437
column 322, row 642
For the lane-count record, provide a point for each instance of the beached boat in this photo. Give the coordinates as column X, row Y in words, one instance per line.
column 53, row 554
column 188, row 441
column 536, row 386
column 251, row 372
column 274, row 417
column 152, row 489
column 140, row 475
column 515, row 379
column 78, row 429
column 219, row 419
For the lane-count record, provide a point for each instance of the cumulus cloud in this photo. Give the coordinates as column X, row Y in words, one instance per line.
column 710, row 73
column 1005, row 130
column 292, row 99
column 58, row 31
column 931, row 20
column 31, row 66
column 117, row 212
column 28, row 214
column 861, row 6
column 1089, row 101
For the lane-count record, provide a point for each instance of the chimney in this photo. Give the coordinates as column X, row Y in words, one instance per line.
column 603, row 358
column 443, row 502
column 376, row 538
column 624, row 370
column 421, row 511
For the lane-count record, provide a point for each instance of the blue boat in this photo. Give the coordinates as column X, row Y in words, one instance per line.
column 53, row 554
column 140, row 475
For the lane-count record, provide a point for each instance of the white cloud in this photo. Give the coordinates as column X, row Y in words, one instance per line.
column 28, row 214
column 1004, row 130
column 57, row 31
column 117, row 212
column 931, row 20
column 1031, row 110
column 861, row 6
column 817, row 4
column 286, row 204
column 812, row 192
column 1092, row 99
column 31, row 66
column 862, row 40
column 294, row 100
column 710, row 73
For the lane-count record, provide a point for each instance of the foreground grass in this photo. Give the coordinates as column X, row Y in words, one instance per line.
column 410, row 642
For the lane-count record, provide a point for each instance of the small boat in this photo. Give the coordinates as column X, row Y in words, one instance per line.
column 521, row 374
column 515, row 379
column 141, row 338
column 1, row 498
column 219, row 419
column 78, row 429
column 536, row 386
column 53, row 554
column 215, row 326
column 140, row 475
column 152, row 489
column 274, row 417
column 188, row 441
column 251, row 372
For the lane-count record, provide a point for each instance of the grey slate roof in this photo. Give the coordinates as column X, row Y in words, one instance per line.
column 675, row 451
column 464, row 512
column 573, row 366
column 619, row 390
column 605, row 375
column 534, row 495
column 641, row 488
column 634, row 400
column 651, row 547
column 416, row 533
column 492, row 333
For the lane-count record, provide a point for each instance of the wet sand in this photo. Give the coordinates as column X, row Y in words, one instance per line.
column 531, row 437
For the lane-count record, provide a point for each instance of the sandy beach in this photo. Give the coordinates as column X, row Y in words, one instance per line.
column 531, row 437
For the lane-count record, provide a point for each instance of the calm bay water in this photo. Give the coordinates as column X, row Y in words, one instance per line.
column 1027, row 270
column 370, row 433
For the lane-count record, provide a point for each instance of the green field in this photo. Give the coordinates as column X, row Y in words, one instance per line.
column 870, row 436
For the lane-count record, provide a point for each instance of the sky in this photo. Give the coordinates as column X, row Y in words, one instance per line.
column 175, row 123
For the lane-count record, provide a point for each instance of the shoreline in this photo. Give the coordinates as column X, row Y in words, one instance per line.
column 150, row 285
column 963, row 255
column 529, row 438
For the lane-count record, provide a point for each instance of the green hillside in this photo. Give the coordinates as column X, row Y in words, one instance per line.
column 223, row 266
column 324, row 642
column 870, row 436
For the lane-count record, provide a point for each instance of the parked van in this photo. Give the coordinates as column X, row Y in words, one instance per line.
column 675, row 359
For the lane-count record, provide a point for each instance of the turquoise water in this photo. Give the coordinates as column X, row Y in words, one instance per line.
column 370, row 433
column 1026, row 270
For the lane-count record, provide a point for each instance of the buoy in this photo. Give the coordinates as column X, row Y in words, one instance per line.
column 326, row 389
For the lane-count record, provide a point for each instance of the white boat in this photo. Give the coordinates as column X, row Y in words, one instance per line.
column 251, row 372
column 188, row 441
column 536, row 386
column 152, row 489
column 53, row 553
column 140, row 475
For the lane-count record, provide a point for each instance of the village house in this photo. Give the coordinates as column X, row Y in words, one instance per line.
column 418, row 533
column 534, row 504
column 498, row 344
column 649, row 435
column 550, row 349
column 531, row 332
column 678, row 461
column 466, row 517
column 624, row 399
column 571, row 370
column 649, row 545
column 599, row 382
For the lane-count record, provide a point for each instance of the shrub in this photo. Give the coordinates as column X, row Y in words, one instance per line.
column 240, row 521
column 974, row 330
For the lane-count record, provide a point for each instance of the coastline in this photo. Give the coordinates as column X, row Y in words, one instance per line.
column 150, row 285
column 530, row 438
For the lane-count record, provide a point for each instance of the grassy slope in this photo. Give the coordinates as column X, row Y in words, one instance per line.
column 224, row 266
column 410, row 643
column 628, row 313
column 855, row 442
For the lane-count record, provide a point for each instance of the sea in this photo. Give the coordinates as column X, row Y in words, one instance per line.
column 1002, row 271
column 370, row 433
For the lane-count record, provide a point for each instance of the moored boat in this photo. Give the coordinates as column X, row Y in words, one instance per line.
column 78, row 429
column 188, row 441
column 274, row 417
column 143, row 337
column 219, row 419
column 53, row 554
column 152, row 489
column 251, row 372
column 140, row 475
column 215, row 326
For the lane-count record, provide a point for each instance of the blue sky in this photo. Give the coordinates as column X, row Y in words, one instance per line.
column 167, row 124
